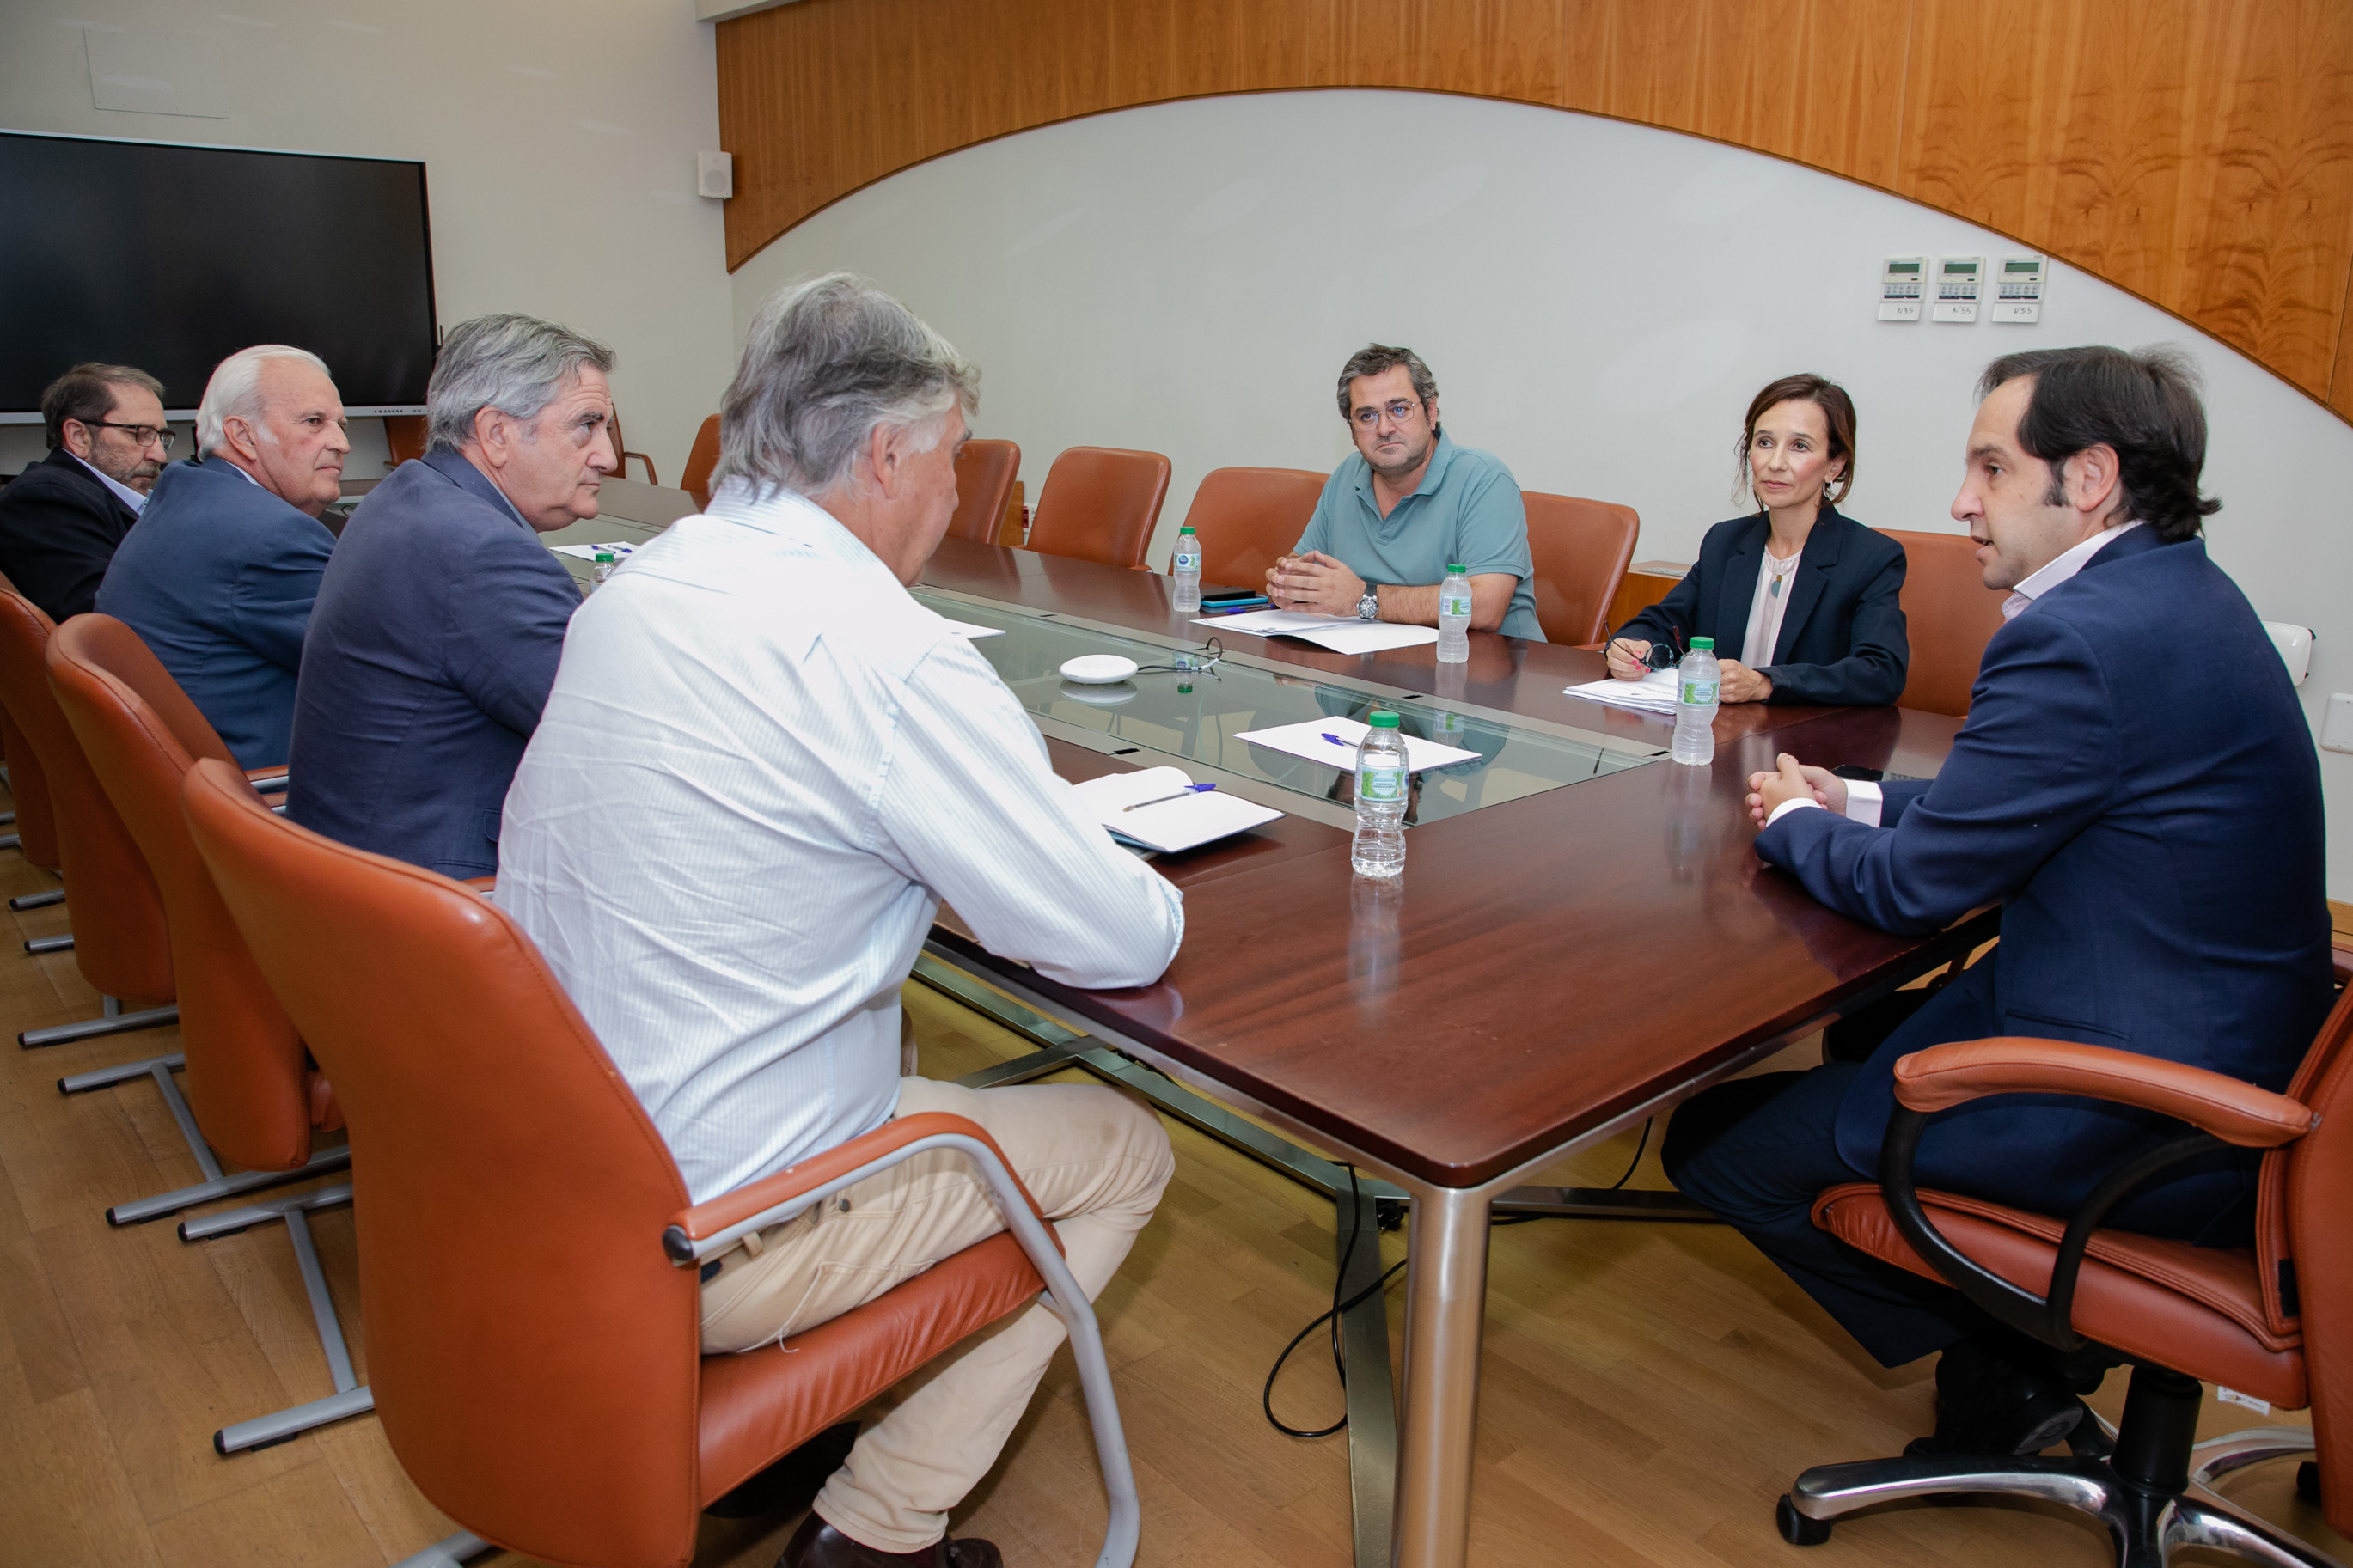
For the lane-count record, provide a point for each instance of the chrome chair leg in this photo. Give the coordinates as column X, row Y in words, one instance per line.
column 2218, row 1457
column 447, row 1552
column 2211, row 1524
column 41, row 900
column 214, row 1184
column 113, row 1021
column 349, row 1398
column 2147, row 1526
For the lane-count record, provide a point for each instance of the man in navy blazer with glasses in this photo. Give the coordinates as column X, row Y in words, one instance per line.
column 438, row 624
column 2136, row 786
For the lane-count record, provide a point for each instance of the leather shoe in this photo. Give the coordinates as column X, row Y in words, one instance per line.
column 817, row 1544
column 1988, row 1403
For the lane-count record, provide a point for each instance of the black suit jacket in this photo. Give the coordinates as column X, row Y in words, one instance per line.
column 1842, row 638
column 59, row 528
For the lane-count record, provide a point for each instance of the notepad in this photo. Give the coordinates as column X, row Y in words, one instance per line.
column 1654, row 693
column 1307, row 738
column 968, row 631
column 1186, row 823
column 1341, row 634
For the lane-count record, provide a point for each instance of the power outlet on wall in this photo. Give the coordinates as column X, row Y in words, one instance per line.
column 2336, row 730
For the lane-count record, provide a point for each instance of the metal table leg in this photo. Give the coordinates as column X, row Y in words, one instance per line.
column 1446, row 1301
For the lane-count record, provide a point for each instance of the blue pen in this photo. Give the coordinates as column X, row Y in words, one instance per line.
column 1338, row 741
column 1164, row 799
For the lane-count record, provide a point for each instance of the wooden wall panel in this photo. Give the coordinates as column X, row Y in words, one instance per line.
column 2198, row 152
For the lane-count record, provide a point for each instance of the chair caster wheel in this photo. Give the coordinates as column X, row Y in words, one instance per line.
column 2307, row 1482
column 1796, row 1528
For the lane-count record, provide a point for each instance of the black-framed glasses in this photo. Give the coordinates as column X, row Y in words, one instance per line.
column 162, row 435
column 1399, row 411
column 1202, row 660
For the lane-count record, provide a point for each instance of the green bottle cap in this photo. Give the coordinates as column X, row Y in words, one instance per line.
column 1454, row 566
column 1187, row 529
column 1382, row 718
column 1698, row 643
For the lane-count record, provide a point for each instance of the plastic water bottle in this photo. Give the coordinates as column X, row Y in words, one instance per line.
column 1185, row 579
column 601, row 571
column 1382, row 777
column 1695, row 684
column 1454, row 616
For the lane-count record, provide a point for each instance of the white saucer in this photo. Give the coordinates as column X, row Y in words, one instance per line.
column 1098, row 668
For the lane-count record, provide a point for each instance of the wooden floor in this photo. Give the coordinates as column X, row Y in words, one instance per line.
column 1649, row 1389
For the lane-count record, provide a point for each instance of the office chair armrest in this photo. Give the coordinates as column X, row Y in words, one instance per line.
column 2232, row 1110
column 711, row 1228
column 2340, row 957
column 2225, row 1111
column 269, row 781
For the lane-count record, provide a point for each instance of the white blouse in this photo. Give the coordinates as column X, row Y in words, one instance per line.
column 1765, row 610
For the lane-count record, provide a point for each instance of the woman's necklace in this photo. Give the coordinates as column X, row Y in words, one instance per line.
column 1779, row 569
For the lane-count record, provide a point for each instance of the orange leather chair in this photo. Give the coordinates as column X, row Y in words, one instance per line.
column 985, row 474
column 118, row 942
column 2262, row 1320
column 530, row 1256
column 1247, row 518
column 700, row 459
column 1100, row 503
column 404, row 434
column 255, row 1098
column 1581, row 548
column 1950, row 615
column 36, row 838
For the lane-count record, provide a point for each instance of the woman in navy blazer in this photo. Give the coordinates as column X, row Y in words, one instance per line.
column 1801, row 601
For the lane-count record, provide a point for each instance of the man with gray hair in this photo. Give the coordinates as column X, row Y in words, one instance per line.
column 764, row 767
column 441, row 618
column 218, row 575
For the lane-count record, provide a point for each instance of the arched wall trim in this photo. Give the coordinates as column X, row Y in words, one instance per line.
column 2198, row 153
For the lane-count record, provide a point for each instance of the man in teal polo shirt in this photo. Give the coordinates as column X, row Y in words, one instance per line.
column 1392, row 518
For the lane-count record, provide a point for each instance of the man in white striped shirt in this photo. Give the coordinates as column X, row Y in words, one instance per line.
column 763, row 767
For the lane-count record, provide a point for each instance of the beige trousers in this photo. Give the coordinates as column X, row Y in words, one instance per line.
column 1096, row 1162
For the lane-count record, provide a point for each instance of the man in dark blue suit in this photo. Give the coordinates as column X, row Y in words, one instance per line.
column 217, row 575
column 2136, row 786
column 61, row 518
column 441, row 618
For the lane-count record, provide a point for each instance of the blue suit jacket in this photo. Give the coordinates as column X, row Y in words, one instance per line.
column 432, row 649
column 1842, row 638
column 216, row 577
column 2138, row 787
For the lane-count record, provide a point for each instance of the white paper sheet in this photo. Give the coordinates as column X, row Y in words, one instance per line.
column 1341, row 634
column 1309, row 739
column 968, row 631
column 1655, row 693
column 589, row 551
column 1173, row 825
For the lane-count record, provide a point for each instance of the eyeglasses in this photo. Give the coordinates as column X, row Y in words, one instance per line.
column 1398, row 412
column 161, row 435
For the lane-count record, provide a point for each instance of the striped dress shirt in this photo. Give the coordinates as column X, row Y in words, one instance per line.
column 762, row 768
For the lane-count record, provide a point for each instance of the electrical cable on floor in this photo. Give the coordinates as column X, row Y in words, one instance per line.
column 1340, row 1307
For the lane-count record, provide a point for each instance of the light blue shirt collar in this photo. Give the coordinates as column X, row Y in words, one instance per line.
column 130, row 497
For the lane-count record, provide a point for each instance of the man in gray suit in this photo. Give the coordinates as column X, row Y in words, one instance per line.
column 438, row 624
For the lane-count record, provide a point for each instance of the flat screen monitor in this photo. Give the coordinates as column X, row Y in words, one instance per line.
column 172, row 258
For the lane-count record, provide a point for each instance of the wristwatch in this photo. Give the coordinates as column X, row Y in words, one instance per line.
column 1369, row 608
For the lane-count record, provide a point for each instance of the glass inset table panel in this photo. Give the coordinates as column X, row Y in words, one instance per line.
column 1189, row 718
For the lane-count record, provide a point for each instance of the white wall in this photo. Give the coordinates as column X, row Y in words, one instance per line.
column 1598, row 301
column 559, row 138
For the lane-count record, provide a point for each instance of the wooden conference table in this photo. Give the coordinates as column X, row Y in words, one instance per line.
column 1550, row 970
